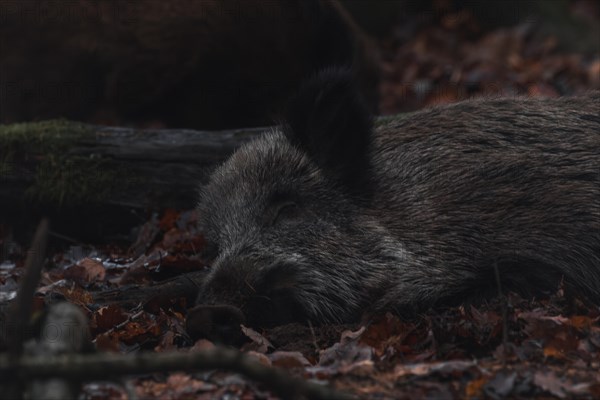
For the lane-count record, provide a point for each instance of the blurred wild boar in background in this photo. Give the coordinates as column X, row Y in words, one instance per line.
column 207, row 64
column 326, row 218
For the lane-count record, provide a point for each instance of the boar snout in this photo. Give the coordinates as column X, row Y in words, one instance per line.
column 220, row 323
column 263, row 290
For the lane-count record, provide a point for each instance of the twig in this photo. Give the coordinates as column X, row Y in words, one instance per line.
column 314, row 337
column 20, row 311
column 63, row 237
column 106, row 365
column 185, row 285
column 115, row 328
column 504, row 300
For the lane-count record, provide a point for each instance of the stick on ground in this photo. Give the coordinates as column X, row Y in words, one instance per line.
column 105, row 366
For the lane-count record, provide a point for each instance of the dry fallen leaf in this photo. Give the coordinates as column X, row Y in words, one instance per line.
column 86, row 271
column 260, row 343
column 288, row 359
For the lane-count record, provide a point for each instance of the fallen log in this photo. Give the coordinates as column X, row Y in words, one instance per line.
column 69, row 164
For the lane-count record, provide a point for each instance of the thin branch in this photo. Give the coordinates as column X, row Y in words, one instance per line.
column 504, row 300
column 20, row 311
column 106, row 365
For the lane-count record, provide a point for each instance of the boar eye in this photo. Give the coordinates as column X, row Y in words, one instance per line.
column 284, row 211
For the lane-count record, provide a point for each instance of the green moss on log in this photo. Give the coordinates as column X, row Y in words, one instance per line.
column 74, row 180
column 57, row 176
column 41, row 137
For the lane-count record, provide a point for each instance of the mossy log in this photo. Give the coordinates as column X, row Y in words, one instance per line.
column 68, row 164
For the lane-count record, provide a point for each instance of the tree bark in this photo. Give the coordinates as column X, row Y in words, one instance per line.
column 68, row 164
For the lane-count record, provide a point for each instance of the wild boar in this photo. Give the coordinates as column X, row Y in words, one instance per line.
column 325, row 217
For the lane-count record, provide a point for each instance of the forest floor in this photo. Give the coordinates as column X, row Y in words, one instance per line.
column 508, row 347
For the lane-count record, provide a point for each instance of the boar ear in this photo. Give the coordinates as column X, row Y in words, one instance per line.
column 330, row 121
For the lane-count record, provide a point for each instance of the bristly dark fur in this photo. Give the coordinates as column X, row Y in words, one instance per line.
column 330, row 122
column 454, row 191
